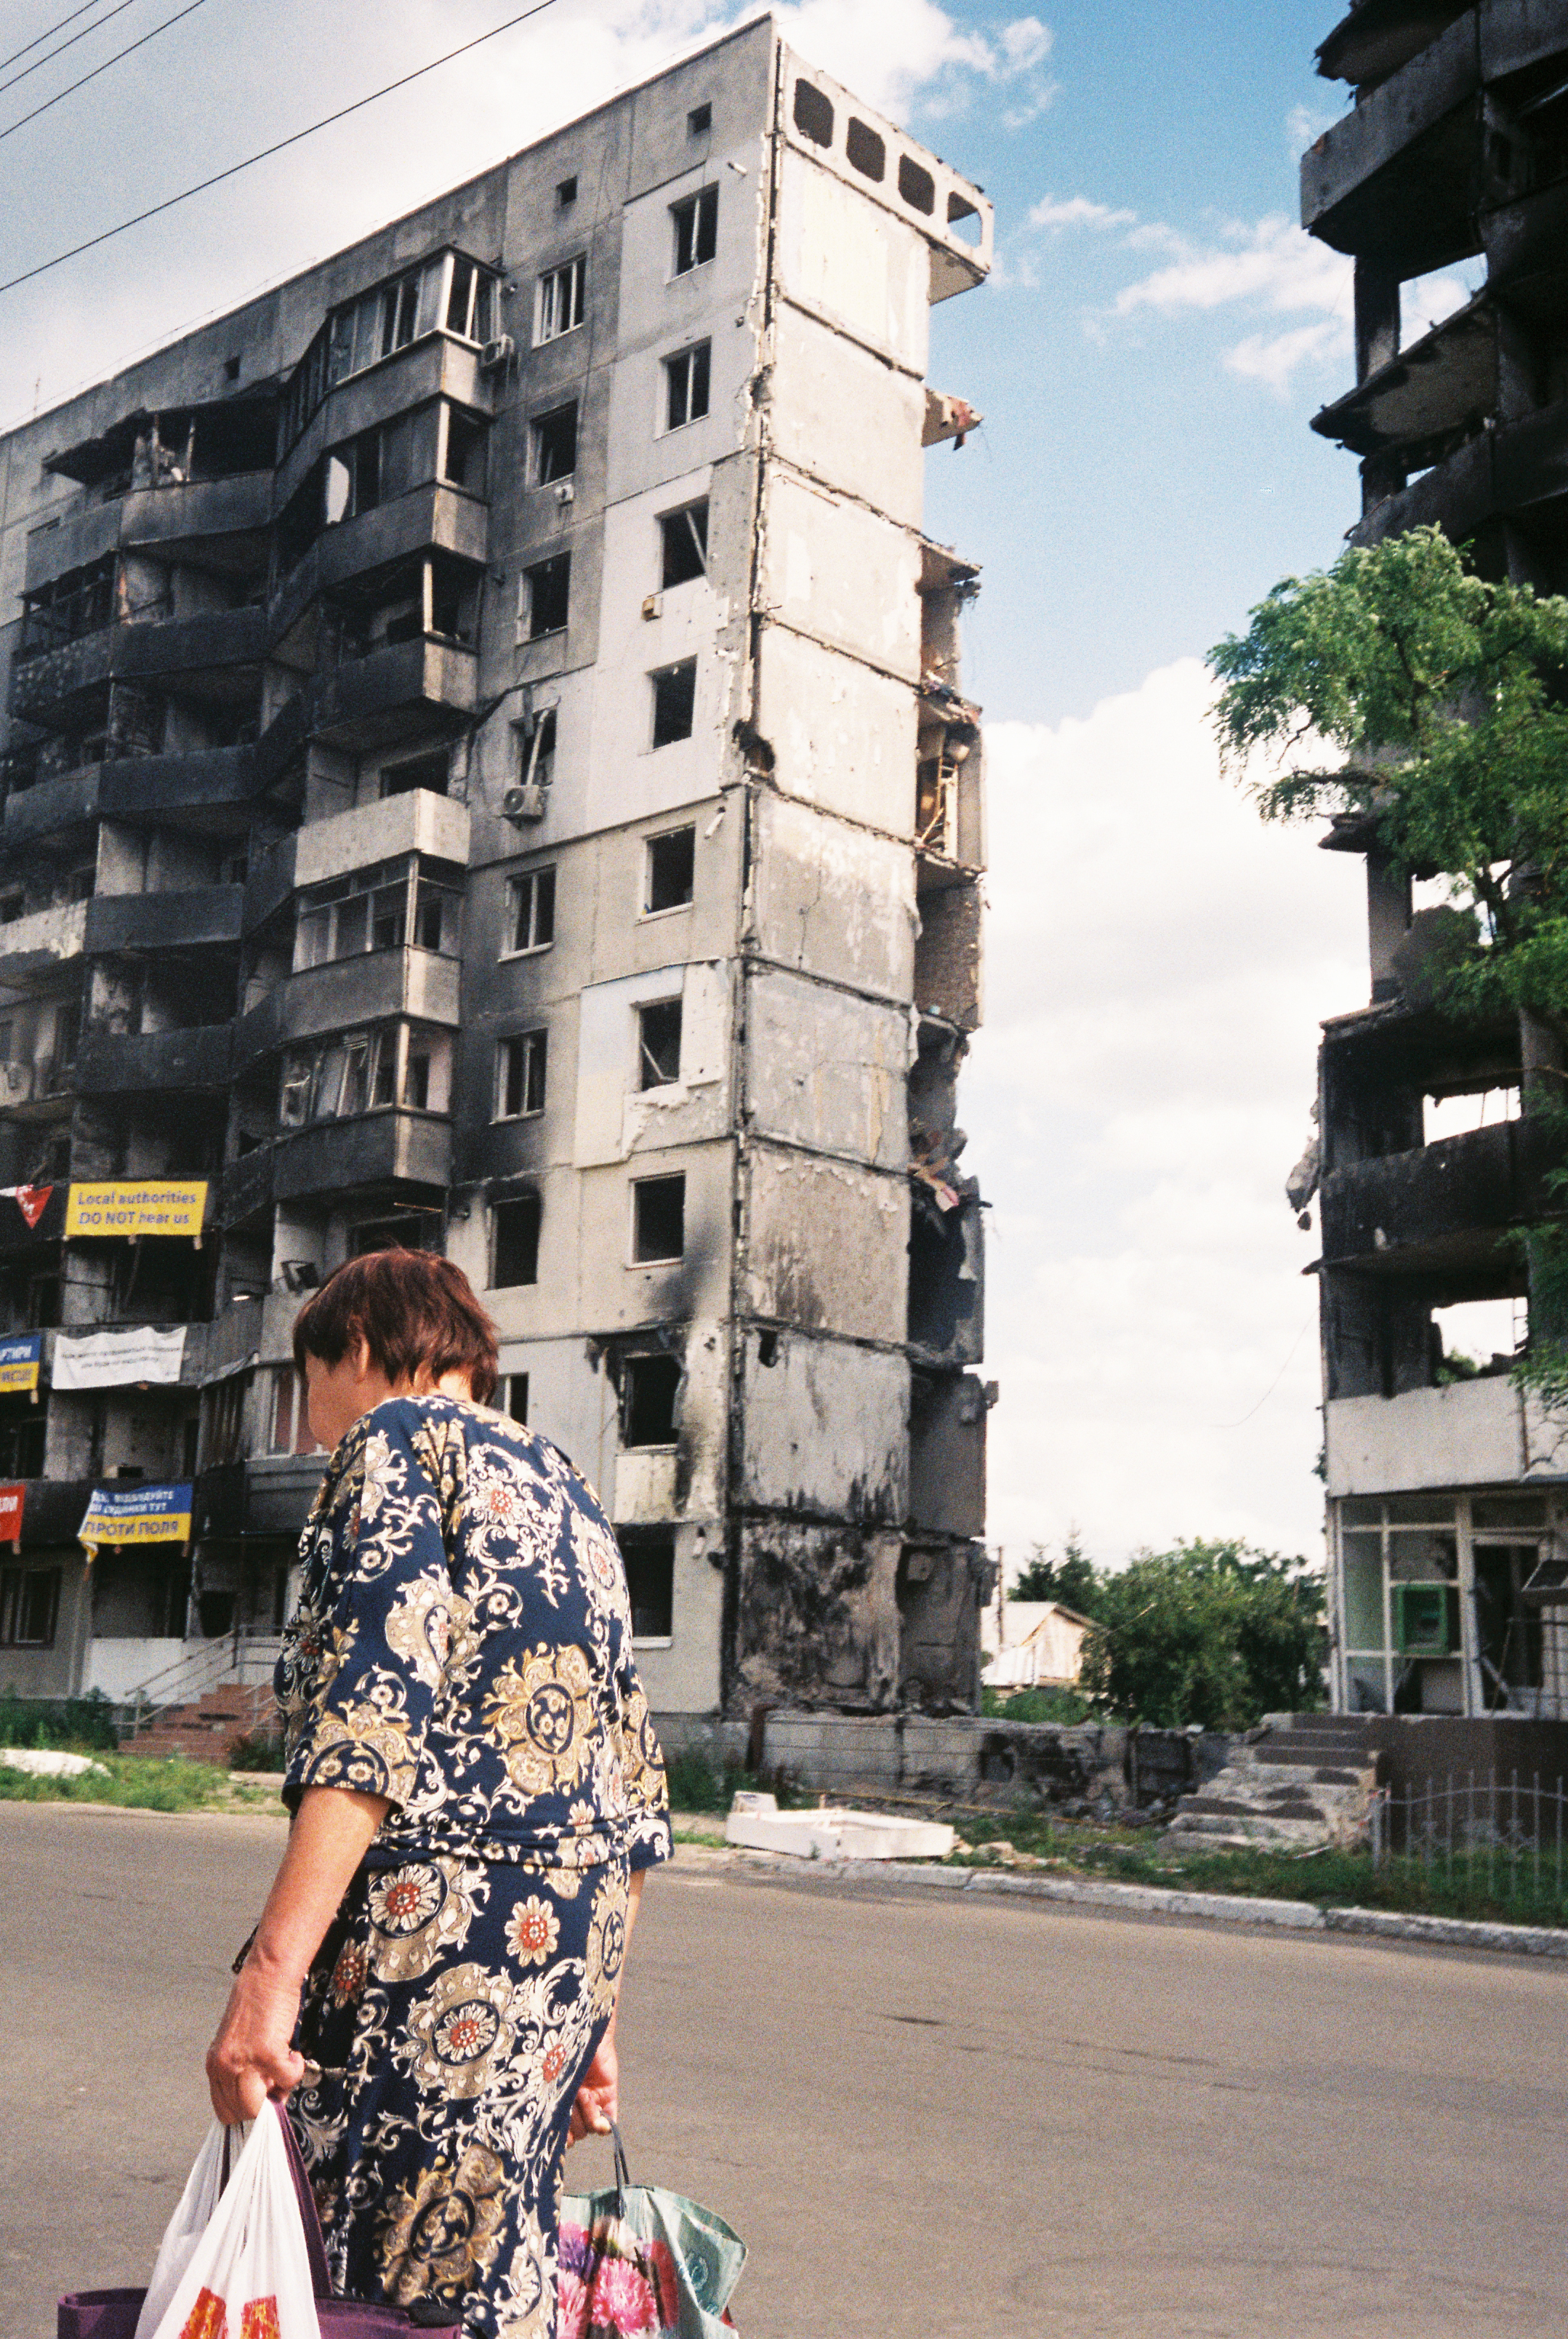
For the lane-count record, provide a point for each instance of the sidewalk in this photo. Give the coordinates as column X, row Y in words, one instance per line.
column 907, row 1878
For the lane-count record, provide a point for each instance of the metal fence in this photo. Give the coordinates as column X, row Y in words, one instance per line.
column 1484, row 1830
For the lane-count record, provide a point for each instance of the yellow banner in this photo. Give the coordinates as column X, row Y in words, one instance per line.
column 137, row 1514
column 154, row 1206
column 19, row 1361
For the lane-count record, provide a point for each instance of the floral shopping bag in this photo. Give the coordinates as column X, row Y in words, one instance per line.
column 637, row 2259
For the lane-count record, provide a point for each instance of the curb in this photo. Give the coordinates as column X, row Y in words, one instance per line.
column 1150, row 1900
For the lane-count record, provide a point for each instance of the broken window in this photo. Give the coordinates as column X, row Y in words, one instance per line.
column 431, row 772
column 514, row 1250
column 438, row 914
column 659, row 1044
column 916, row 185
column 288, row 1420
column 649, row 1386
column 29, row 1607
column 814, row 113
column 696, row 229
column 650, row 1562
column 686, row 379
column 559, row 300
column 659, row 1218
column 671, row 869
column 513, row 1395
column 674, row 702
column 550, row 590
column 463, row 463
column 699, row 121
column 535, row 750
column 565, row 193
column 338, row 1079
column 865, row 150
column 531, row 911
column 554, row 443
column 684, row 544
column 520, row 1075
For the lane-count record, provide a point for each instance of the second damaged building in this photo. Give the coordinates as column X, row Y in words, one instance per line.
column 1448, row 1491
column 488, row 768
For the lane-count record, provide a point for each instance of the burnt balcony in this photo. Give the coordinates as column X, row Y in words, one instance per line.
column 50, row 807
column 126, row 1063
column 436, row 367
column 1395, row 176
column 368, row 701
column 1447, row 1205
column 1517, row 468
column 184, row 645
column 53, row 1509
column 434, row 517
column 1429, row 399
column 246, row 1187
column 34, row 949
column 197, row 511
column 382, row 1151
column 165, row 920
column 1379, row 36
column 263, row 1497
column 201, row 779
column 368, row 988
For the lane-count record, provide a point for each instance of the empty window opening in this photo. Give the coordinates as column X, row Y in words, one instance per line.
column 436, row 910
column 548, row 586
column 650, row 1561
column 289, row 1430
column 674, row 702
column 555, row 437
column 866, row 151
column 686, row 384
column 672, row 866
column 520, row 1075
column 514, row 1250
column 916, row 185
column 29, row 1607
column 531, row 911
column 659, row 1218
column 1476, row 1338
column 429, row 772
column 683, row 540
column 650, row 1388
column 700, row 121
column 659, row 1044
column 565, row 193
column 559, row 300
column 813, row 113
column 230, row 369
column 1456, row 1116
column 515, row 1395
column 965, row 217
column 463, row 464
column 696, row 229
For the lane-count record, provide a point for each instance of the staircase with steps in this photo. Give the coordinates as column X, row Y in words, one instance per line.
column 1303, row 1781
column 208, row 1729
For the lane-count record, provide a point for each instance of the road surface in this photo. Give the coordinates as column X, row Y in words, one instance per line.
column 951, row 2120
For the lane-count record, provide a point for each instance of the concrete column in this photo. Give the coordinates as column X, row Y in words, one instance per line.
column 1377, row 316
column 1388, row 919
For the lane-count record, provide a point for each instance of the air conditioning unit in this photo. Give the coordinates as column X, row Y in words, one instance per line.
column 524, row 803
column 496, row 353
column 565, row 493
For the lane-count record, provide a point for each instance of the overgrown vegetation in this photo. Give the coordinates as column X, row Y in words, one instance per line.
column 135, row 1784
column 1446, row 695
column 1051, row 1704
column 84, row 1725
column 1072, row 1581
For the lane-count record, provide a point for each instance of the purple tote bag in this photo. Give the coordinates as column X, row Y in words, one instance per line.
column 112, row 2313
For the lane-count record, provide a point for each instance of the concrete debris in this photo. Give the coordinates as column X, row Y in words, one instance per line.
column 756, row 1823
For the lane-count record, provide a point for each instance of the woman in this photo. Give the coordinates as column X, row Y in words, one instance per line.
column 475, row 1794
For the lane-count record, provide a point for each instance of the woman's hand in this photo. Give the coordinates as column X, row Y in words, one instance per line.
column 251, row 2059
column 597, row 2100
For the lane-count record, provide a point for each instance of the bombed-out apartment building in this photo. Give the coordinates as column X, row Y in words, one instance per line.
column 488, row 768
column 1448, row 1495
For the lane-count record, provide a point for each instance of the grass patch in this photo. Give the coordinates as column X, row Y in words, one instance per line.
column 84, row 1725
column 1508, row 1895
column 1064, row 1705
column 135, row 1784
column 696, row 1782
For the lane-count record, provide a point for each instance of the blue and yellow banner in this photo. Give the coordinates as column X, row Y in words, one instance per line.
column 19, row 1361
column 137, row 1514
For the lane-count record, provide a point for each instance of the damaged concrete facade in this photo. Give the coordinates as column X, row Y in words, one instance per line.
column 488, row 768
column 1448, row 1491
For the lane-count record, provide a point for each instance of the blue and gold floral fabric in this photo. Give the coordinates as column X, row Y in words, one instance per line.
column 463, row 1647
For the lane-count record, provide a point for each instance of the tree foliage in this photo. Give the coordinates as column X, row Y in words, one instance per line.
column 1445, row 694
column 1073, row 1580
column 1213, row 1633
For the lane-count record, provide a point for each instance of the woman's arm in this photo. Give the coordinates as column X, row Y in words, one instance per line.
column 597, row 2102
column 251, row 2056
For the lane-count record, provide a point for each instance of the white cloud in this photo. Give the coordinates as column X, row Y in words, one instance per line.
column 1274, row 262
column 1304, row 125
column 1077, row 210
column 1273, row 358
column 1156, row 964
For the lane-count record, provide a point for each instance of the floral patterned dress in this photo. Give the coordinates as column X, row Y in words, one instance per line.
column 462, row 1646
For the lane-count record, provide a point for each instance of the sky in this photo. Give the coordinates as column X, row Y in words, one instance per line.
column 1157, row 334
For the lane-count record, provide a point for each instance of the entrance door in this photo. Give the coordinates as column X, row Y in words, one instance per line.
column 1507, row 1631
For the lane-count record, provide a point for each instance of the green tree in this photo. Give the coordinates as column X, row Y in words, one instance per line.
column 1073, row 1579
column 1213, row 1633
column 1445, row 696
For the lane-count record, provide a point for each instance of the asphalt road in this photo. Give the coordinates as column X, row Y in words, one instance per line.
column 960, row 2121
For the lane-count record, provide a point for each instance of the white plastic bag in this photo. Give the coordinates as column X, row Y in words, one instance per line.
column 244, row 2273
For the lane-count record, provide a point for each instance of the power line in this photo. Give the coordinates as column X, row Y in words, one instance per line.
column 39, row 65
column 48, row 34
column 104, row 68
column 278, row 147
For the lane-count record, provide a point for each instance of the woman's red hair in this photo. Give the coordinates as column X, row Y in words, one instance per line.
column 411, row 1310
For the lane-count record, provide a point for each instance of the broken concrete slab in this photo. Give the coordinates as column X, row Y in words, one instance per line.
column 756, row 1824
